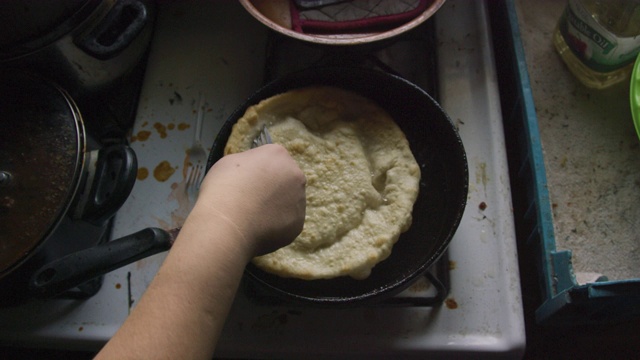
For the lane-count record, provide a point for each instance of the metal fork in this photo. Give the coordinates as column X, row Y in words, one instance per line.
column 263, row 138
column 197, row 155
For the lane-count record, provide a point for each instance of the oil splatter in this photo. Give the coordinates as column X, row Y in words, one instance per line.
column 143, row 135
column 451, row 303
column 118, row 286
column 162, row 130
column 143, row 173
column 171, row 126
column 452, row 265
column 482, row 206
column 163, row 171
column 481, row 175
column 80, row 328
column 183, row 126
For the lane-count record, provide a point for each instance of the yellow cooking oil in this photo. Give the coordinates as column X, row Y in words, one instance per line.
column 599, row 40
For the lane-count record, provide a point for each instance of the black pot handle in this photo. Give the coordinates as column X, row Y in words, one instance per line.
column 115, row 175
column 76, row 269
column 116, row 31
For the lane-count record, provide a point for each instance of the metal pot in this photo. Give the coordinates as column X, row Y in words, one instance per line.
column 85, row 46
column 58, row 189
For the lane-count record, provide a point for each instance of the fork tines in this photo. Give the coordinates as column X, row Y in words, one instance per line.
column 263, row 138
column 194, row 178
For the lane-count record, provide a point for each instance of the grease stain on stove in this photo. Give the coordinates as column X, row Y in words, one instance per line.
column 85, row 325
column 163, row 171
column 184, row 203
column 177, row 98
column 142, row 135
column 143, row 173
column 451, row 303
column 178, row 216
column 481, row 175
column 161, row 129
column 186, row 164
column 452, row 265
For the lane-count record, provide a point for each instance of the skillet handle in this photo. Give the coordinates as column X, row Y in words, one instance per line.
column 77, row 268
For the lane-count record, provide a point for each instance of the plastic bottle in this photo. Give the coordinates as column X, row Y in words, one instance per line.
column 599, row 40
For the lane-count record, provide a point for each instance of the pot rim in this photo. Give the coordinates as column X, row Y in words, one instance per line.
column 66, row 200
column 88, row 13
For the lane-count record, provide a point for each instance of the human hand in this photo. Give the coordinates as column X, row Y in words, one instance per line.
column 262, row 192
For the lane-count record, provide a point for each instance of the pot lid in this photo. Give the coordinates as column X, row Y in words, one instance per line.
column 41, row 143
column 22, row 22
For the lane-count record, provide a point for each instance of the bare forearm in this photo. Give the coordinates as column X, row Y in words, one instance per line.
column 249, row 204
column 183, row 311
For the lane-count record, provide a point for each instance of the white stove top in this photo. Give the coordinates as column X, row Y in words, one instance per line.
column 218, row 49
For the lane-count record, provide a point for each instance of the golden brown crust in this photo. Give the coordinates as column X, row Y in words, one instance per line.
column 362, row 179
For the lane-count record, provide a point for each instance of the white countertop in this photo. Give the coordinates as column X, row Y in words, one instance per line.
column 591, row 153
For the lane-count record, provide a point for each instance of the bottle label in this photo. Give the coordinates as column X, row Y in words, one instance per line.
column 597, row 47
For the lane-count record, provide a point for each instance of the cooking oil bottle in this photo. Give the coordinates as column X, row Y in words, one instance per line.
column 599, row 40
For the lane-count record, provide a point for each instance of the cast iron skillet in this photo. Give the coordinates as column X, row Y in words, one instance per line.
column 443, row 187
